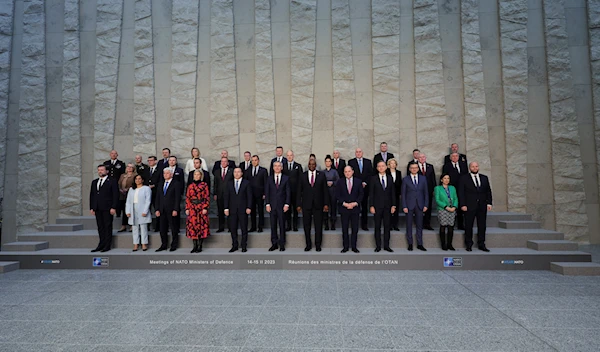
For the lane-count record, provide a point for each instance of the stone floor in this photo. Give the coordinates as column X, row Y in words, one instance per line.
column 103, row 310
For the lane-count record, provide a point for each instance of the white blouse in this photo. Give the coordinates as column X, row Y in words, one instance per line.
column 189, row 166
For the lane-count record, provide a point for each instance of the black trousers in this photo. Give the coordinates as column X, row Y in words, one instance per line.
column 104, row 222
column 278, row 219
column 383, row 215
column 460, row 218
column 347, row 219
column 167, row 220
column 291, row 217
column 316, row 216
column 124, row 218
column 239, row 219
column 480, row 212
column 395, row 218
column 258, row 206
column 364, row 212
column 221, row 211
column 427, row 216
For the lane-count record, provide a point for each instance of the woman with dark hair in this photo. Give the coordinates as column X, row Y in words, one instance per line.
column 137, row 208
column 447, row 202
column 197, row 201
column 332, row 177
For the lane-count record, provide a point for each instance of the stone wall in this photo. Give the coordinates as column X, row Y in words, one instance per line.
column 515, row 82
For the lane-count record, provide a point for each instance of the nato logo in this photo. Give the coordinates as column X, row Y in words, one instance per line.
column 452, row 262
column 100, row 261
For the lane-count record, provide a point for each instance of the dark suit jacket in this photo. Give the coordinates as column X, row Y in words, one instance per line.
column 342, row 195
column 283, row 161
column 278, row 197
column 415, row 196
column 115, row 171
column 238, row 202
column 294, row 175
column 471, row 196
column 455, row 175
column 107, row 197
column 398, row 183
column 378, row 157
column 461, row 158
column 313, row 197
column 177, row 175
column 154, row 180
column 365, row 176
column 206, row 178
column 143, row 170
column 242, row 165
column 166, row 203
column 382, row 198
column 257, row 182
column 219, row 186
column 217, row 166
column 162, row 164
column 430, row 176
column 340, row 168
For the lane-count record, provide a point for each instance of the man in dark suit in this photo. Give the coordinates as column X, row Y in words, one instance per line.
column 415, row 199
column 217, row 165
column 104, row 199
column 415, row 159
column 176, row 172
column 247, row 163
column 293, row 171
column 257, row 175
column 475, row 200
column 223, row 175
column 455, row 169
column 383, row 154
column 152, row 182
column 278, row 157
column 382, row 201
column 198, row 167
column 338, row 163
column 115, row 168
column 454, row 149
column 277, row 197
column 349, row 194
column 427, row 170
column 164, row 162
column 168, row 198
column 363, row 170
column 141, row 168
column 313, row 200
column 238, row 204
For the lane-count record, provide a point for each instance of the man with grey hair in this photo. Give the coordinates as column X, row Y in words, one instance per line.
column 454, row 149
column 168, row 198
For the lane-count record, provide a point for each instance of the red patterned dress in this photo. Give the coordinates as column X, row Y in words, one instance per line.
column 197, row 199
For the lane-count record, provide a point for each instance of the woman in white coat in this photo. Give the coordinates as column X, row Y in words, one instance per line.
column 189, row 166
column 137, row 208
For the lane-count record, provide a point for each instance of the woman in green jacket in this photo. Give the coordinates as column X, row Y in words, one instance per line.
column 447, row 202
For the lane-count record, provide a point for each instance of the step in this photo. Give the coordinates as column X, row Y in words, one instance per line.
column 552, row 245
column 519, row 224
column 576, row 268
column 25, row 246
column 6, row 267
column 63, row 227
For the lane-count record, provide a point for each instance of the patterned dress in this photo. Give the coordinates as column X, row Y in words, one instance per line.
column 197, row 224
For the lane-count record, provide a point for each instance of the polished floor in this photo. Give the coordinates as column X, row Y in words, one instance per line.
column 127, row 310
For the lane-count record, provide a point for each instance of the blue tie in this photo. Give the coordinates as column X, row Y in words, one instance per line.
column 360, row 165
column 165, row 188
column 415, row 180
column 237, row 186
column 383, row 181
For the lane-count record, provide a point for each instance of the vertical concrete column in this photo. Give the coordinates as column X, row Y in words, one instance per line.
column 162, row 37
column 280, row 46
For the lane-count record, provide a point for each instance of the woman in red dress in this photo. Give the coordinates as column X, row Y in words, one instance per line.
column 197, row 201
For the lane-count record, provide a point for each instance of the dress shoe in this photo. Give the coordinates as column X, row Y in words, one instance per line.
column 318, row 249
column 172, row 249
column 233, row 249
column 365, row 228
column 288, row 229
column 220, row 230
column 428, row 227
column 389, row 249
column 160, row 249
column 273, row 247
column 332, row 227
column 122, row 230
column 469, row 249
column 410, row 248
column 295, row 229
column 308, row 248
column 252, row 229
column 451, row 248
column 444, row 248
column 378, row 249
column 145, row 249
column 95, row 250
column 461, row 228
column 134, row 250
column 396, row 229
column 355, row 250
column 105, row 250
column 260, row 229
column 483, row 248
column 344, row 250
column 244, row 250
column 282, row 248
column 421, row 248
column 326, row 227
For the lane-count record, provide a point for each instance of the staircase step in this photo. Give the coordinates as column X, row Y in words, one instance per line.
column 63, row 227
column 576, row 268
column 6, row 267
column 552, row 245
column 519, row 224
column 25, row 246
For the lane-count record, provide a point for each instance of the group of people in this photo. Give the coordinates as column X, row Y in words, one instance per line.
column 353, row 189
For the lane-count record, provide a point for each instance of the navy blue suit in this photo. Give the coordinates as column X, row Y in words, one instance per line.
column 349, row 215
column 415, row 198
column 277, row 198
column 237, row 203
column 364, row 176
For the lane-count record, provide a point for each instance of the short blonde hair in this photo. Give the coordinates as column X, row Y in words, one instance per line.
column 201, row 174
column 390, row 160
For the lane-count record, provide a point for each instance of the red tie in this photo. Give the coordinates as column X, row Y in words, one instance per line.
column 349, row 185
column 336, row 164
column 423, row 168
column 312, row 179
column 223, row 175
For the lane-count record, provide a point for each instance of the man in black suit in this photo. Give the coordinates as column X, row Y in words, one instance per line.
column 198, row 167
column 257, row 175
column 382, row 201
column 247, row 161
column 454, row 149
column 293, row 171
column 455, row 169
column 152, row 182
column 217, row 165
column 383, row 154
column 278, row 157
column 223, row 175
column 168, row 197
column 415, row 159
column 176, row 172
column 426, row 169
column 475, row 200
column 164, row 162
column 141, row 168
column 278, row 195
column 313, row 200
column 415, row 200
column 363, row 170
column 115, row 168
column 338, row 163
column 238, row 204
column 349, row 194
column 104, row 198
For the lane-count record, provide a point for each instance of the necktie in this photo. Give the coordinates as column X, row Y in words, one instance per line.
column 423, row 168
column 112, row 162
column 165, row 188
column 360, row 166
column 290, row 166
column 254, row 173
column 477, row 181
column 237, row 186
column 415, row 180
column 349, row 185
column 383, row 181
column 337, row 164
column 277, row 181
column 100, row 183
column 151, row 171
column 223, row 175
column 455, row 166
column 312, row 178
column 384, row 155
